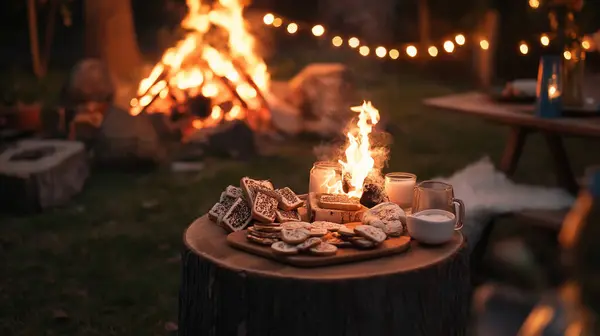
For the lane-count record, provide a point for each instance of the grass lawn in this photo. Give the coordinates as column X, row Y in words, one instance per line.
column 108, row 264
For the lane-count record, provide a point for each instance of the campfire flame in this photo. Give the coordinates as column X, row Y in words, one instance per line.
column 360, row 161
column 232, row 72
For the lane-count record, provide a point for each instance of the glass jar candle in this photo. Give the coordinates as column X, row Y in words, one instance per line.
column 399, row 187
column 324, row 176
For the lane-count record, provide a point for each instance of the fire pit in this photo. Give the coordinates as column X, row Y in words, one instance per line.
column 215, row 64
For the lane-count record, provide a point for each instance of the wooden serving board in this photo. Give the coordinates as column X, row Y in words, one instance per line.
column 343, row 255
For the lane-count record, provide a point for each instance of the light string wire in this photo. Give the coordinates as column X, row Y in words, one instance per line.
column 410, row 50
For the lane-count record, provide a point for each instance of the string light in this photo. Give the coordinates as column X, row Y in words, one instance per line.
column 433, row 51
column 484, row 44
column 353, row 42
column 337, row 41
column 268, row 19
column 567, row 55
column 292, row 28
column 380, row 52
column 534, row 3
column 585, row 44
column 523, row 48
column 318, row 30
column 411, row 51
column 545, row 40
column 364, row 50
column 449, row 46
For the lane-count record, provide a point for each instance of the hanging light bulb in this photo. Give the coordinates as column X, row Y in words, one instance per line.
column 523, row 48
column 433, row 51
column 353, row 42
column 545, row 40
column 277, row 22
column 484, row 44
column 337, row 41
column 411, row 51
column 318, row 30
column 534, row 3
column 394, row 54
column 364, row 50
column 449, row 46
column 567, row 55
column 380, row 52
column 292, row 28
column 268, row 19
column 585, row 44
column 460, row 39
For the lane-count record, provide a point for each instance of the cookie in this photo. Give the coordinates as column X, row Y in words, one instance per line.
column 250, row 186
column 317, row 232
column 262, row 234
column 216, row 211
column 287, row 216
column 294, row 236
column 264, row 208
column 361, row 243
column 289, row 200
column 371, row 233
column 338, row 242
column 388, row 216
column 307, row 244
column 284, row 248
column 261, row 241
column 327, row 225
column 237, row 217
column 233, row 191
column 393, row 229
column 227, row 200
column 346, row 231
column 323, row 249
column 296, row 225
column 267, row 228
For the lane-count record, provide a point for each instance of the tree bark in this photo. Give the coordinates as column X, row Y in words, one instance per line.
column 228, row 292
column 110, row 36
column 34, row 42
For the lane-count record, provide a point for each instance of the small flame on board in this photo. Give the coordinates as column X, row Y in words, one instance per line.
column 359, row 154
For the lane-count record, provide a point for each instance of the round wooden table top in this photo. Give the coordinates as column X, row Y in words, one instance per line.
column 208, row 240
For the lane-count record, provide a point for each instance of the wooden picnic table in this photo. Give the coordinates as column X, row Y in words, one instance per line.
column 523, row 122
column 225, row 291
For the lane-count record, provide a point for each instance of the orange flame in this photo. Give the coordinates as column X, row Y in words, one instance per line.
column 359, row 155
column 194, row 67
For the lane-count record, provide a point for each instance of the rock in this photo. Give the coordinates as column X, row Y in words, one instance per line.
column 126, row 139
column 284, row 116
column 387, row 216
column 324, row 92
column 39, row 174
column 89, row 80
column 233, row 139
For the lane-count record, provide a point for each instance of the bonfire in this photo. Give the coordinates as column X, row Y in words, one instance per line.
column 217, row 60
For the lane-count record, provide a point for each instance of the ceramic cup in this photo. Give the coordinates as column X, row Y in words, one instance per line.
column 431, row 226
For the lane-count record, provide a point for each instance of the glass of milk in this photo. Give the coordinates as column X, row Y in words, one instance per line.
column 400, row 188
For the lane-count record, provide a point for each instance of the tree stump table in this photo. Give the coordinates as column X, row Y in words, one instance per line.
column 424, row 291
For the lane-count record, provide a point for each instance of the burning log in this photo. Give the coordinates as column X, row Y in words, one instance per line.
column 251, row 82
column 373, row 194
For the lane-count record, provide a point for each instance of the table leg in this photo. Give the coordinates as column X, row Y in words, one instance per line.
column 564, row 173
column 513, row 150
